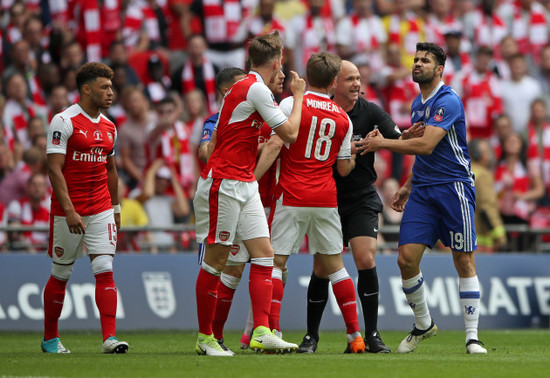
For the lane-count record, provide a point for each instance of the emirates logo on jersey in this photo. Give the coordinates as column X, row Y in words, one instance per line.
column 224, row 235
column 94, row 156
column 257, row 124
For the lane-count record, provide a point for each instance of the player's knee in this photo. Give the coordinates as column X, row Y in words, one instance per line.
column 62, row 272
column 365, row 261
column 464, row 264
column 234, row 270
column 230, row 281
column 102, row 264
column 405, row 262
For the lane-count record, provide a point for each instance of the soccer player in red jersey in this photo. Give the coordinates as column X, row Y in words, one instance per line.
column 306, row 193
column 227, row 203
column 85, row 211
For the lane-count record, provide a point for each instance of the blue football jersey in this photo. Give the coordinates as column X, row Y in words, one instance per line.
column 450, row 160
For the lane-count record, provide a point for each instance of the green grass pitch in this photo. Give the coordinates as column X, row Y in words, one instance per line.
column 517, row 353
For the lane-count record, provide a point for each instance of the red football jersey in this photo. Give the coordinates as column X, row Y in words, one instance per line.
column 245, row 107
column 306, row 165
column 266, row 185
column 86, row 142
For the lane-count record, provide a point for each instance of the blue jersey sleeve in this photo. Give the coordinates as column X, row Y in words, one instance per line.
column 446, row 110
column 208, row 128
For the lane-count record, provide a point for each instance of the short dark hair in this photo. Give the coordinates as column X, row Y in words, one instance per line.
column 265, row 48
column 90, row 72
column 433, row 49
column 322, row 68
column 227, row 75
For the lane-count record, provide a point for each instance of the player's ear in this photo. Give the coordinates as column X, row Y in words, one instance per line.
column 85, row 89
column 333, row 83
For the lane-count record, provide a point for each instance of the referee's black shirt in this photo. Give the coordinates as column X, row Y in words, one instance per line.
column 365, row 116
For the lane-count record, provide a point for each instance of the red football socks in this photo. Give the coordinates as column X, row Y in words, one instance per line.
column 223, row 305
column 106, row 301
column 206, row 291
column 54, row 295
column 345, row 296
column 260, row 288
column 275, row 313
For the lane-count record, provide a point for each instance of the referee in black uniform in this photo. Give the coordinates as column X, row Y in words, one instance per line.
column 359, row 206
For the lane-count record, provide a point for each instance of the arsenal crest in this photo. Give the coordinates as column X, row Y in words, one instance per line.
column 224, row 235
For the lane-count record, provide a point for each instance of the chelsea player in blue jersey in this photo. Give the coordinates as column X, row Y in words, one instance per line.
column 439, row 195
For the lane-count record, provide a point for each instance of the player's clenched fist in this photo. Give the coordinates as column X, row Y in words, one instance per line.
column 297, row 84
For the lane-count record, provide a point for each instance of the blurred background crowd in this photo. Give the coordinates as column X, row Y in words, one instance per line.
column 165, row 55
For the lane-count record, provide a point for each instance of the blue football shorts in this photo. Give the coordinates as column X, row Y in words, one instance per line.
column 444, row 212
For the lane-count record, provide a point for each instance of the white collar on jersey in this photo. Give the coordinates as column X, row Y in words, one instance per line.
column 320, row 94
column 94, row 120
column 433, row 92
column 260, row 78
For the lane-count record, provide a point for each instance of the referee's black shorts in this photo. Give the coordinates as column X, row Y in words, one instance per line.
column 359, row 216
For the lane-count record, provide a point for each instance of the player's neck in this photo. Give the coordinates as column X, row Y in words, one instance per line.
column 263, row 72
column 427, row 88
column 90, row 109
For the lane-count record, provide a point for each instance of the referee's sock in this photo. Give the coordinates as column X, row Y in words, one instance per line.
column 367, row 289
column 317, row 296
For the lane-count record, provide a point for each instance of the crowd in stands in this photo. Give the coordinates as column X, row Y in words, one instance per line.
column 165, row 55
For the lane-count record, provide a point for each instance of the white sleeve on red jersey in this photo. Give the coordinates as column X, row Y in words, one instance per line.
column 263, row 101
column 345, row 148
column 286, row 106
column 59, row 132
column 114, row 143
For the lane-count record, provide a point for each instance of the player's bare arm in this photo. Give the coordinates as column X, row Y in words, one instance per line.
column 415, row 146
column 288, row 131
column 203, row 151
column 112, row 185
column 345, row 166
column 59, row 185
column 270, row 152
column 210, row 145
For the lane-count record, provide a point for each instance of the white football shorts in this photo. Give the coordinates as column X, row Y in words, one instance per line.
column 321, row 224
column 100, row 237
column 226, row 209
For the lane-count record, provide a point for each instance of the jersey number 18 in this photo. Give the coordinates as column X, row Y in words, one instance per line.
column 324, row 140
